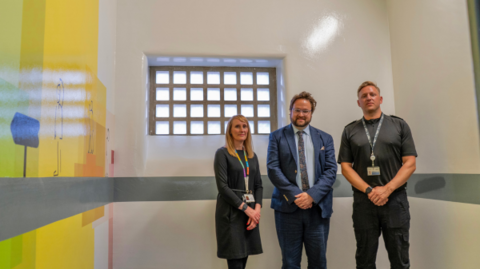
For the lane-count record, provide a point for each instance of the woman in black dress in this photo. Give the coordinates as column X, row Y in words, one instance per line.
column 238, row 204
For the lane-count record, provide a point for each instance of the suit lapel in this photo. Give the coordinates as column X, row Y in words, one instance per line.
column 317, row 145
column 291, row 141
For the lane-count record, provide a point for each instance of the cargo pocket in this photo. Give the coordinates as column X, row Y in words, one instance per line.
column 403, row 246
column 404, row 205
column 398, row 212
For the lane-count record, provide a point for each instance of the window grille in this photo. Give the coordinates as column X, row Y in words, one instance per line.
column 201, row 100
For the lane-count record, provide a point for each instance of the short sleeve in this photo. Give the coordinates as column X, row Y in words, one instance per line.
column 345, row 153
column 408, row 146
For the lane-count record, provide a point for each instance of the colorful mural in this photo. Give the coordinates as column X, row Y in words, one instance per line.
column 48, row 73
column 68, row 243
column 53, row 123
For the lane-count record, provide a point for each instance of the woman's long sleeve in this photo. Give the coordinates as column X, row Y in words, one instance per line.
column 258, row 186
column 220, row 168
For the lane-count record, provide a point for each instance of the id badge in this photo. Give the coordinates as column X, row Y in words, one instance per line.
column 248, row 198
column 373, row 171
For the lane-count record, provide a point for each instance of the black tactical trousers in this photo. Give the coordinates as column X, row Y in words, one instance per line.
column 392, row 219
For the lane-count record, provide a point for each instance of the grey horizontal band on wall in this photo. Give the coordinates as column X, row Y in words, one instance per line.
column 27, row 204
column 30, row 203
column 461, row 188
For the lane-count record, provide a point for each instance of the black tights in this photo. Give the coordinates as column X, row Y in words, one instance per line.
column 237, row 263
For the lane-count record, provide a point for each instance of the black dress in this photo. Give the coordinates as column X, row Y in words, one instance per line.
column 234, row 241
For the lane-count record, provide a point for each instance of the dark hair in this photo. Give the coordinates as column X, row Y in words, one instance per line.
column 303, row 95
column 367, row 83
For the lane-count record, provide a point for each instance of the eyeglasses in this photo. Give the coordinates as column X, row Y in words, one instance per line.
column 298, row 111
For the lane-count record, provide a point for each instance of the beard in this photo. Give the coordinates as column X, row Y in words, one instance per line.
column 295, row 121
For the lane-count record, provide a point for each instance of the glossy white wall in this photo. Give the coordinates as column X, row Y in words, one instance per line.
column 181, row 234
column 328, row 48
column 434, row 93
column 434, row 84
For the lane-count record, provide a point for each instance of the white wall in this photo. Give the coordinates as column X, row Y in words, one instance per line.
column 444, row 235
column 106, row 48
column 186, row 236
column 106, row 70
column 434, row 93
column 106, row 74
column 329, row 48
column 434, row 84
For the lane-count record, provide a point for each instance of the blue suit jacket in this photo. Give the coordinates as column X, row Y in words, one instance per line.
column 282, row 170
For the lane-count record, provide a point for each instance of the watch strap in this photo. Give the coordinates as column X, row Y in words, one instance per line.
column 368, row 190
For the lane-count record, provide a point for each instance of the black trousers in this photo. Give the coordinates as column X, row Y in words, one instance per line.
column 237, row 263
column 392, row 219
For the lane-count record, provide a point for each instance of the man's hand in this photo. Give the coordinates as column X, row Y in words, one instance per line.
column 379, row 195
column 304, row 201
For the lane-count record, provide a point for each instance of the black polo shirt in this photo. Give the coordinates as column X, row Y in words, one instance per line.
column 394, row 142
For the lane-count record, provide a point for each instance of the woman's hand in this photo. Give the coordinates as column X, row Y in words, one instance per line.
column 253, row 214
column 258, row 208
column 251, row 224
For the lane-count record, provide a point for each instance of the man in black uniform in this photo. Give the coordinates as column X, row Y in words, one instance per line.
column 377, row 156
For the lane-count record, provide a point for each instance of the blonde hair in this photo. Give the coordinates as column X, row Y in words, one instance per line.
column 368, row 83
column 230, row 145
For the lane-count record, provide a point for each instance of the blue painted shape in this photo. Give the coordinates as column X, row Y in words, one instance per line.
column 25, row 130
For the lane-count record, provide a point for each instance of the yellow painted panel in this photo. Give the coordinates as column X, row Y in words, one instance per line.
column 5, row 253
column 10, row 49
column 100, row 105
column 28, row 251
column 100, row 149
column 11, row 15
column 99, row 212
column 70, row 85
column 92, row 215
column 31, row 67
column 12, row 100
column 71, row 34
column 65, row 244
column 87, row 217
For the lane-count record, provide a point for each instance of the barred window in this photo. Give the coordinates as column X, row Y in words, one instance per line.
column 186, row 100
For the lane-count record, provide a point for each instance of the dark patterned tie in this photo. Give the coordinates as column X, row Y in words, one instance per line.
column 301, row 161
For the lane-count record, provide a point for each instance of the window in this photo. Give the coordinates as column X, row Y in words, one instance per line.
column 200, row 100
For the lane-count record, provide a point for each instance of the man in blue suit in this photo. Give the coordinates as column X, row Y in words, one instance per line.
column 301, row 165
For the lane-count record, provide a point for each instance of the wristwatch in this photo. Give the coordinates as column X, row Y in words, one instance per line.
column 245, row 206
column 368, row 190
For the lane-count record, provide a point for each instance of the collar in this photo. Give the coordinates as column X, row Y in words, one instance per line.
column 306, row 130
column 373, row 121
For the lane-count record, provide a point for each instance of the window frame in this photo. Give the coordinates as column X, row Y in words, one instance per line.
column 153, row 102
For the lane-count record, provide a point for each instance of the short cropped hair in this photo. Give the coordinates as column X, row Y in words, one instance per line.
column 304, row 95
column 368, row 83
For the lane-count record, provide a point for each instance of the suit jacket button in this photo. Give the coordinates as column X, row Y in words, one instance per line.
column 295, row 171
